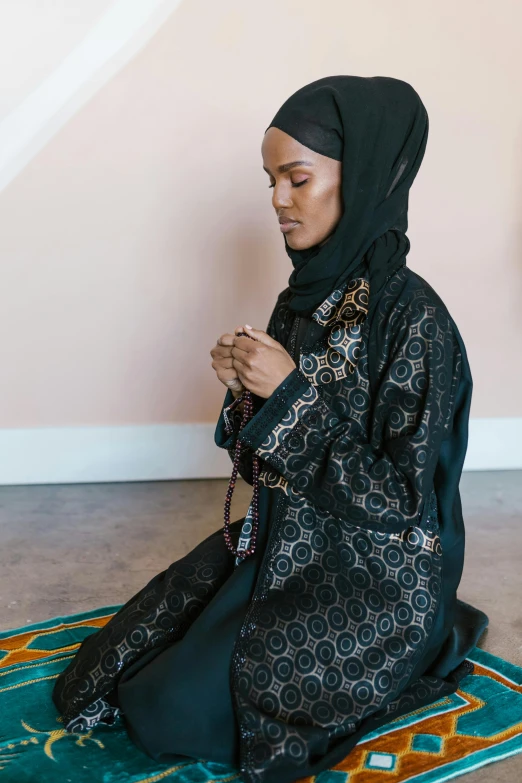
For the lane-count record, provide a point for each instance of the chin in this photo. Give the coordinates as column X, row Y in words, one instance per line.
column 297, row 244
column 303, row 243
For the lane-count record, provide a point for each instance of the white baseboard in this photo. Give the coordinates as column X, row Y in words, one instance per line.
column 494, row 444
column 73, row 455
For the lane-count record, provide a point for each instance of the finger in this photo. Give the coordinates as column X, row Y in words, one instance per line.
column 241, row 346
column 226, row 339
column 261, row 336
column 234, row 384
column 223, row 364
column 239, row 361
column 222, row 351
column 228, row 376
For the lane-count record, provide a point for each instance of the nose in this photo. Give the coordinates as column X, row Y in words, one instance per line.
column 281, row 197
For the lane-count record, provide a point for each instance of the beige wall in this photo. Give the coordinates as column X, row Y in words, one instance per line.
column 140, row 227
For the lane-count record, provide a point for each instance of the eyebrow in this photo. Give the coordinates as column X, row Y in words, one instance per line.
column 287, row 166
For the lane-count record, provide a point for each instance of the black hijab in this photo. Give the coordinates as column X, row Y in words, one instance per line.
column 378, row 127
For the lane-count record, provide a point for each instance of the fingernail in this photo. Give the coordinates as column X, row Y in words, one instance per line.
column 248, row 326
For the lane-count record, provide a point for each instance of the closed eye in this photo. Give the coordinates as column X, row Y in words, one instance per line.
column 294, row 184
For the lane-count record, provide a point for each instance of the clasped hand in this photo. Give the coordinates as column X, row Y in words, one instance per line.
column 261, row 364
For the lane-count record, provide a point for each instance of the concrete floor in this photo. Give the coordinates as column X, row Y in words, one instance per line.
column 70, row 548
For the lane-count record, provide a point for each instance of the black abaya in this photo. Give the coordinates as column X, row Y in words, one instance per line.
column 176, row 699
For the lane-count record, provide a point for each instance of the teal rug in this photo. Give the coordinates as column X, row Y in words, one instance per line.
column 478, row 724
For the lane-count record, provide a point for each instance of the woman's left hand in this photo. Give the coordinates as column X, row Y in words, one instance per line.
column 262, row 363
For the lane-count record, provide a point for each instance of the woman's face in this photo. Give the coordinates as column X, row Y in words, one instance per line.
column 307, row 195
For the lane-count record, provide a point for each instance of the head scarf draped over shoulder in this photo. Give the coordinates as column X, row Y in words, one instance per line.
column 378, row 127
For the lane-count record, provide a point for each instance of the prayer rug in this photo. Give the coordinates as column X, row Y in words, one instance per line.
column 478, row 724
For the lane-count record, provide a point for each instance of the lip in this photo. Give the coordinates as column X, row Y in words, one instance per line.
column 288, row 225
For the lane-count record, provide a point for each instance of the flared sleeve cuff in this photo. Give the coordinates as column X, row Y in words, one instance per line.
column 281, row 412
column 225, row 435
column 229, row 422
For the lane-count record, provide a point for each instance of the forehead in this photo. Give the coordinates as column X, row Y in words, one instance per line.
column 279, row 147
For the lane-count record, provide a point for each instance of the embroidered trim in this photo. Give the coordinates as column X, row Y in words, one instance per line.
column 259, row 597
column 293, row 338
column 281, row 431
column 232, row 422
column 274, row 409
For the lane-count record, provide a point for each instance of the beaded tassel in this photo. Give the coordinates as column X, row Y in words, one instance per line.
column 247, row 415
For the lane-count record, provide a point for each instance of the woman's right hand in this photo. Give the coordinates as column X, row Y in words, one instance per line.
column 222, row 363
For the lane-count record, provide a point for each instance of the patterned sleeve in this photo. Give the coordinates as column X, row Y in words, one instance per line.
column 376, row 474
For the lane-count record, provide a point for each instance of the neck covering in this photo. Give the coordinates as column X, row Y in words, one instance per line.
column 378, row 127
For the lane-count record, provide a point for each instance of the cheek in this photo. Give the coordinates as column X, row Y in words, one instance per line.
column 332, row 199
column 322, row 208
